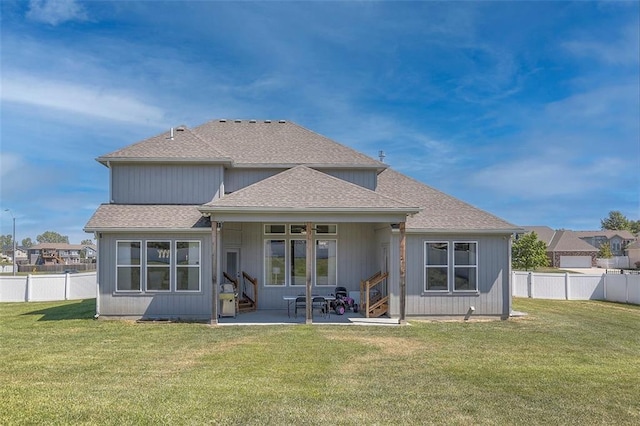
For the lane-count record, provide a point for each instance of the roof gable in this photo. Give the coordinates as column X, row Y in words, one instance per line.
column 146, row 217
column 304, row 188
column 568, row 241
column 440, row 212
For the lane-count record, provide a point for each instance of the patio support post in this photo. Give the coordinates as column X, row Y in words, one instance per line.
column 403, row 273
column 308, row 267
column 214, row 273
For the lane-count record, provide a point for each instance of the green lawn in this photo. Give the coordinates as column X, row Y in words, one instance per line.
column 568, row 362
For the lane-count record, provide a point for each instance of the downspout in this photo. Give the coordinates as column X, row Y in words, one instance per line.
column 214, row 273
column 403, row 273
column 309, row 264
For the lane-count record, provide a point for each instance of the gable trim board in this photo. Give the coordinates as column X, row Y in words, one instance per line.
column 284, row 182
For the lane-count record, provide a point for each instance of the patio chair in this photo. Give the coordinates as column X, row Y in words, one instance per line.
column 301, row 303
column 321, row 304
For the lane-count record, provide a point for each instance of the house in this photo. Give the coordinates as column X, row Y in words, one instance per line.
column 564, row 248
column 55, row 253
column 618, row 240
column 279, row 210
column 633, row 251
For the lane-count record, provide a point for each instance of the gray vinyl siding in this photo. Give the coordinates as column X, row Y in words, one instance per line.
column 236, row 179
column 357, row 259
column 493, row 296
column 365, row 178
column 183, row 305
column 165, row 183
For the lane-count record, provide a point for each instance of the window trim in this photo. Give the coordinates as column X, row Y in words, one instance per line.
column 474, row 266
column 315, row 262
column 426, row 266
column 199, row 266
column 286, row 263
column 169, row 266
column 117, row 265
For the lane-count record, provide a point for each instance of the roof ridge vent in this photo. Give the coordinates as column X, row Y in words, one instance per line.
column 281, row 121
column 252, row 121
column 267, row 121
column 237, row 120
column 223, row 120
column 181, row 128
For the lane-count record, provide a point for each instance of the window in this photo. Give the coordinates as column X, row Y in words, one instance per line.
column 277, row 229
column 446, row 271
column 297, row 229
column 436, row 264
column 158, row 265
column 326, row 262
column 187, row 265
column 465, row 266
column 128, row 266
column 327, row 229
column 298, row 259
column 275, row 262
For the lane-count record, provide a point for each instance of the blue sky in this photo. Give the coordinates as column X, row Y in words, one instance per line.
column 528, row 110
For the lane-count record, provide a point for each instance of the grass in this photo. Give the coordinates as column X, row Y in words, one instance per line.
column 568, row 362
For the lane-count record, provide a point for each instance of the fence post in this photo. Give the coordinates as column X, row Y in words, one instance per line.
column 67, row 282
column 28, row 295
column 566, row 286
column 626, row 288
column 530, row 285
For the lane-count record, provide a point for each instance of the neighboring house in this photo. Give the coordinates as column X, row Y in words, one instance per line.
column 633, row 251
column 564, row 248
column 618, row 240
column 273, row 203
column 21, row 254
column 54, row 253
column 90, row 251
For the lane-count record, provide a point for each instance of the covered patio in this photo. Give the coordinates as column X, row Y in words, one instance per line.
column 279, row 317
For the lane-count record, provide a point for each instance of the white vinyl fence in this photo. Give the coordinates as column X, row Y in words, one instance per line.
column 32, row 288
column 624, row 288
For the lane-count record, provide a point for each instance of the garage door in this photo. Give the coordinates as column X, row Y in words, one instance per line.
column 575, row 261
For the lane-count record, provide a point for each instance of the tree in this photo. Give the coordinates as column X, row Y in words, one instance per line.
column 26, row 243
column 52, row 237
column 528, row 252
column 6, row 242
column 605, row 251
column 615, row 222
column 634, row 226
column 86, row 242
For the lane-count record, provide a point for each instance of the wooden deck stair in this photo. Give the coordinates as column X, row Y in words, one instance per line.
column 373, row 303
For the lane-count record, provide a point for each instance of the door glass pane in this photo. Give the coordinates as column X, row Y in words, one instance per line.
column 298, row 258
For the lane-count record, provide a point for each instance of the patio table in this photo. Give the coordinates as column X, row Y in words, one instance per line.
column 292, row 299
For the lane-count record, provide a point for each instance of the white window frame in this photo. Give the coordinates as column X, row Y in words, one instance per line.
column 169, row 266
column 289, row 281
column 426, row 266
column 199, row 265
column 275, row 233
column 454, row 266
column 315, row 261
column 326, row 233
column 285, row 272
column 140, row 266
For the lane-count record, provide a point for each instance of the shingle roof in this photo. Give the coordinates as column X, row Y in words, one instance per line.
column 544, row 233
column 256, row 142
column 441, row 212
column 606, row 233
column 185, row 145
column 246, row 143
column 568, row 241
column 304, row 188
column 146, row 217
column 56, row 246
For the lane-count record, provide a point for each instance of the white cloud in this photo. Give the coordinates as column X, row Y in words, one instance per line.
column 79, row 99
column 54, row 12
column 621, row 51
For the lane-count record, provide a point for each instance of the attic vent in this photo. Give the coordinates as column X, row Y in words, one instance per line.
column 267, row 121
column 281, row 121
column 238, row 121
column 252, row 121
column 223, row 120
column 181, row 128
